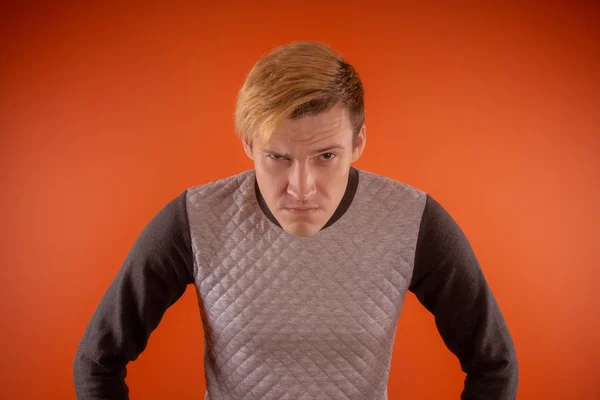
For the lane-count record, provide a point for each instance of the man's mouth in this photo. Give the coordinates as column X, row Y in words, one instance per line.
column 301, row 210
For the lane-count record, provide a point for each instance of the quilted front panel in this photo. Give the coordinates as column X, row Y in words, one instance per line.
column 287, row 317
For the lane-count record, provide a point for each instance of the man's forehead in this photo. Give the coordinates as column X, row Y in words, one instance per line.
column 309, row 142
column 314, row 128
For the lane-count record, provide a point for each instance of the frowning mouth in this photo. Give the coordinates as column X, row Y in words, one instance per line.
column 301, row 210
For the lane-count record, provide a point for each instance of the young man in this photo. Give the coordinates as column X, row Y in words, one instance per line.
column 302, row 264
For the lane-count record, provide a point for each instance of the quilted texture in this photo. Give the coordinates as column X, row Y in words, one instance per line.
column 300, row 318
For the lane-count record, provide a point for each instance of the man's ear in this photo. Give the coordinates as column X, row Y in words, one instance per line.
column 248, row 149
column 359, row 143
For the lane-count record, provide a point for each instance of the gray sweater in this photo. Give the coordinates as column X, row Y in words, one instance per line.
column 288, row 317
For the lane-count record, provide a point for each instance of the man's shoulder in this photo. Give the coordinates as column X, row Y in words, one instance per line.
column 228, row 184
column 374, row 182
column 222, row 195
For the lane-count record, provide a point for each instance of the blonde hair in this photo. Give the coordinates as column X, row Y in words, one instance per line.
column 294, row 80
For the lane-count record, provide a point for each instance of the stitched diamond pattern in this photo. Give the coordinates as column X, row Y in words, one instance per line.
column 301, row 318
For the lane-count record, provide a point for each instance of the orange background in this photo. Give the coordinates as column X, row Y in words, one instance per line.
column 108, row 113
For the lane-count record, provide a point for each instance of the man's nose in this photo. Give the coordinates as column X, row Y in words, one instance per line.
column 301, row 183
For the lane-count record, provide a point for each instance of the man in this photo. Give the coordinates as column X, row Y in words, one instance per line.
column 302, row 264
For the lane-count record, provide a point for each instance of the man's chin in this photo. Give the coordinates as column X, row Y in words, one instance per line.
column 302, row 225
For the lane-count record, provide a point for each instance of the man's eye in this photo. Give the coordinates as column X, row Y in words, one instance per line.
column 328, row 156
column 276, row 157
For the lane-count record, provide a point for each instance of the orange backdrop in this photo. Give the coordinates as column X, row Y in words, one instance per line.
column 108, row 113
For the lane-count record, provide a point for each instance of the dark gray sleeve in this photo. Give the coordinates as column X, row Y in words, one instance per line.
column 449, row 282
column 154, row 275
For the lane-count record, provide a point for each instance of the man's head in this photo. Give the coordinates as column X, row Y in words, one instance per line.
column 300, row 115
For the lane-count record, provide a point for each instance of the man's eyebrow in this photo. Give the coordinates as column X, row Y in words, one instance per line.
column 275, row 152
column 336, row 146
column 329, row 148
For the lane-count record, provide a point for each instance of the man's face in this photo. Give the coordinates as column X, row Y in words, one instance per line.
column 302, row 172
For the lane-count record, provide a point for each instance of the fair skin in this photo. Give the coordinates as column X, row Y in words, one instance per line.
column 302, row 172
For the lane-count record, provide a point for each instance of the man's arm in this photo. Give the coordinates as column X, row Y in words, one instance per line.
column 449, row 282
column 154, row 275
